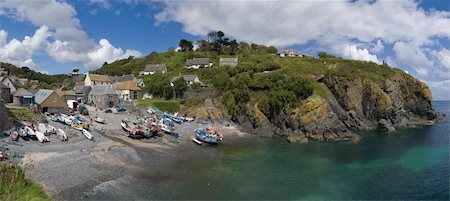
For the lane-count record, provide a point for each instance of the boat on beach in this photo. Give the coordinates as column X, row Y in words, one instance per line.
column 14, row 134
column 41, row 137
column 51, row 129
column 196, row 141
column 87, row 134
column 61, row 134
column 30, row 133
column 208, row 135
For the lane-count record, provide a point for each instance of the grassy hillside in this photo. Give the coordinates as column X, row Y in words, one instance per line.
column 276, row 83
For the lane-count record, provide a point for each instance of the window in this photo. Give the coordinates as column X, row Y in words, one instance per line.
column 54, row 99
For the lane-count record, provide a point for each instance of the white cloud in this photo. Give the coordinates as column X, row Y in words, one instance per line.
column 332, row 25
column 411, row 55
column 353, row 52
column 378, row 47
column 20, row 52
column 107, row 52
column 70, row 43
column 104, row 3
column 440, row 89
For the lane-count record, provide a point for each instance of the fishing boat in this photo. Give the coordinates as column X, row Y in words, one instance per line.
column 30, row 133
column 196, row 141
column 209, row 136
column 53, row 118
column 166, row 125
column 41, row 137
column 62, row 135
column 87, row 134
column 62, row 118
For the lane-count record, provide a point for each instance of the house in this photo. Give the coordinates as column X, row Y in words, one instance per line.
column 228, row 61
column 23, row 97
column 198, row 63
column 290, row 53
column 82, row 93
column 95, row 79
column 139, row 82
column 103, row 96
column 128, row 90
column 190, row 79
column 49, row 101
column 69, row 95
column 9, row 83
column 151, row 69
column 5, row 93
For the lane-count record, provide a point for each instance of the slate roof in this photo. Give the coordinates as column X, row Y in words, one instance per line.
column 82, row 89
column 100, row 90
column 155, row 68
column 22, row 92
column 188, row 78
column 197, row 61
column 122, row 78
column 42, row 95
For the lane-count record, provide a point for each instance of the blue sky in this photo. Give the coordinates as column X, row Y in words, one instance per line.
column 53, row 36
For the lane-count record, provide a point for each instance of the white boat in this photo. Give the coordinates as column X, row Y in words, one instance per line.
column 61, row 134
column 62, row 118
column 41, row 137
column 77, row 127
column 69, row 120
column 87, row 134
column 30, row 132
column 196, row 141
column 51, row 129
column 100, row 120
column 42, row 128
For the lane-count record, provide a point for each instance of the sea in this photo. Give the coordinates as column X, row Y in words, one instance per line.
column 412, row 163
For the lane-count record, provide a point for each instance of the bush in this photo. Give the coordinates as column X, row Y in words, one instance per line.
column 169, row 106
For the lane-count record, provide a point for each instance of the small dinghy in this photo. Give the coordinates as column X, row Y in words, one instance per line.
column 100, row 120
column 51, row 129
column 42, row 128
column 196, row 141
column 30, row 132
column 62, row 135
column 41, row 137
column 87, row 134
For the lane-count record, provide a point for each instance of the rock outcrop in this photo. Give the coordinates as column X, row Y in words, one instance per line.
column 7, row 120
column 348, row 105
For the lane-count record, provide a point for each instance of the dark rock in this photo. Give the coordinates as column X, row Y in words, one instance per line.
column 386, row 126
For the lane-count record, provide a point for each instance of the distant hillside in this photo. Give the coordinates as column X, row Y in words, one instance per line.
column 45, row 81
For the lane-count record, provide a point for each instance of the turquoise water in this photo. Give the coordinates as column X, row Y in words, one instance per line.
column 411, row 164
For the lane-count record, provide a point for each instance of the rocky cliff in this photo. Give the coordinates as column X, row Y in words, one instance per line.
column 348, row 105
column 6, row 118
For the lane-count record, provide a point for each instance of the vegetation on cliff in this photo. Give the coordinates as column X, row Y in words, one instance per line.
column 14, row 185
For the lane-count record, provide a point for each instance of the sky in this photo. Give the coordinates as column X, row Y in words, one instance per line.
column 55, row 36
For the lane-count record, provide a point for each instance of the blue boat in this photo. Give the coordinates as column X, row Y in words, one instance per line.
column 209, row 136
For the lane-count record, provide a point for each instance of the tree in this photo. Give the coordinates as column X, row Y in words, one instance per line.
column 234, row 47
column 324, row 55
column 180, row 86
column 203, row 45
column 75, row 70
column 185, row 45
column 272, row 50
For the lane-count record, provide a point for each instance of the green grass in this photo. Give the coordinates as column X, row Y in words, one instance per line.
column 14, row 185
column 170, row 106
column 22, row 114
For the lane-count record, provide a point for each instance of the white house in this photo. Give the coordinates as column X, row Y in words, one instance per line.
column 128, row 90
column 151, row 69
column 9, row 83
column 196, row 63
column 190, row 79
column 94, row 79
column 290, row 53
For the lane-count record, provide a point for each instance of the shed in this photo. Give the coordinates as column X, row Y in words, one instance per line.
column 49, row 101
